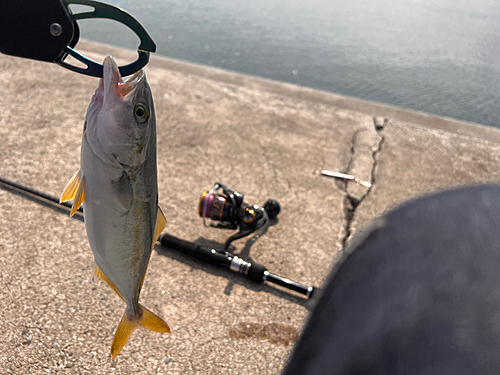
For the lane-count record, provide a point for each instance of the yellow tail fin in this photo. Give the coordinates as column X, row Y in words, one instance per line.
column 148, row 320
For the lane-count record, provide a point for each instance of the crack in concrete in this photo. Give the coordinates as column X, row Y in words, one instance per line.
column 270, row 164
column 351, row 202
column 353, row 151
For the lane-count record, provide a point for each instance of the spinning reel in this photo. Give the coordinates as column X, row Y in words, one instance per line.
column 231, row 212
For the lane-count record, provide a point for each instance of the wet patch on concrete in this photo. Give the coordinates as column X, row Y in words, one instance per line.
column 276, row 334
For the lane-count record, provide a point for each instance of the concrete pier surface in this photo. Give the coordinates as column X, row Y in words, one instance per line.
column 265, row 139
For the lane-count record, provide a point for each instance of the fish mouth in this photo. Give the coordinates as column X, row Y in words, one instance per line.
column 113, row 83
column 131, row 83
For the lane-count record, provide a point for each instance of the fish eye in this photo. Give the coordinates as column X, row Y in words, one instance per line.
column 141, row 112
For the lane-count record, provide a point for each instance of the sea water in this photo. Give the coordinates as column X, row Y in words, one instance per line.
column 440, row 57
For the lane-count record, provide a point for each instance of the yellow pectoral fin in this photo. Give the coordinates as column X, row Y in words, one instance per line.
column 75, row 189
column 98, row 274
column 145, row 319
column 71, row 188
column 80, row 197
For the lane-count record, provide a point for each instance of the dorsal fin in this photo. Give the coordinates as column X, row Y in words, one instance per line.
column 161, row 223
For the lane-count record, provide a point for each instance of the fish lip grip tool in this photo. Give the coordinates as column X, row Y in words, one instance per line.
column 102, row 10
column 48, row 31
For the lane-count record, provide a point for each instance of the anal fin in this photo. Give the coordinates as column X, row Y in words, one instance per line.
column 98, row 274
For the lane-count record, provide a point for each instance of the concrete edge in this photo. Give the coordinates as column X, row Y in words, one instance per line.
column 473, row 130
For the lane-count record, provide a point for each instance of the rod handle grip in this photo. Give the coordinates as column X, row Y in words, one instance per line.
column 203, row 253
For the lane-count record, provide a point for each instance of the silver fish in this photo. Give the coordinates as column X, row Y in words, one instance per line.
column 117, row 184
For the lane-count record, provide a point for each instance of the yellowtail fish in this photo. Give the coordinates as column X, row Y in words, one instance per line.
column 118, row 186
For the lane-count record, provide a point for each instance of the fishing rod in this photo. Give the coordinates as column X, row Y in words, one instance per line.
column 252, row 271
column 26, row 189
column 224, row 259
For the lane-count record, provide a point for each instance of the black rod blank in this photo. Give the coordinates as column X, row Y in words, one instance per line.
column 36, row 192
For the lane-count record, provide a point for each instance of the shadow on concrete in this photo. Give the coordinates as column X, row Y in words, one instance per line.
column 233, row 278
column 245, row 252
